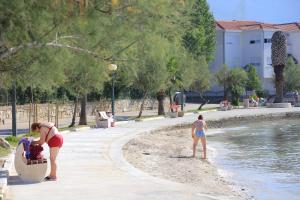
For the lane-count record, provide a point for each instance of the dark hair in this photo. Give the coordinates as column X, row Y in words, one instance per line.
column 200, row 117
column 35, row 125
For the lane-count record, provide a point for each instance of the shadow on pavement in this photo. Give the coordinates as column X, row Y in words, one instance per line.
column 181, row 157
column 16, row 180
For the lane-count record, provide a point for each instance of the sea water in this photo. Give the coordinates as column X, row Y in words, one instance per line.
column 262, row 157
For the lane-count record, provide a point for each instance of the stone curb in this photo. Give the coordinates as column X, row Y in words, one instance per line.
column 4, row 174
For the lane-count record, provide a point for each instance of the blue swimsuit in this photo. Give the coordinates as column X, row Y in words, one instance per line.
column 200, row 133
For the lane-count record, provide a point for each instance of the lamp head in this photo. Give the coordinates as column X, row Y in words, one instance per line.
column 112, row 67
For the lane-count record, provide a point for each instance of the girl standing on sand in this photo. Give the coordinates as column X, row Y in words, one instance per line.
column 200, row 127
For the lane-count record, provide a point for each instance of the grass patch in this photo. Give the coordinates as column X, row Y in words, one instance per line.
column 4, row 152
column 13, row 141
column 74, row 127
column 203, row 109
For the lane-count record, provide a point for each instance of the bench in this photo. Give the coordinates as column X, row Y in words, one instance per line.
column 225, row 105
column 102, row 120
column 29, row 170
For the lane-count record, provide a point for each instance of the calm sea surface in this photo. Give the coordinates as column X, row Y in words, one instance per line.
column 263, row 157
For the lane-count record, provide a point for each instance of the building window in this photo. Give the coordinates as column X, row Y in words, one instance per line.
column 267, row 40
column 254, row 41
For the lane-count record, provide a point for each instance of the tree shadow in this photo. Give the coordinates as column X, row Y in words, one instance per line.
column 16, row 180
column 181, row 157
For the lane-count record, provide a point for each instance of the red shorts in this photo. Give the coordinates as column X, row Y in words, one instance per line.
column 56, row 141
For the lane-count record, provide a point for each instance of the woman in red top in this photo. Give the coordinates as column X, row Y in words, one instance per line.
column 50, row 135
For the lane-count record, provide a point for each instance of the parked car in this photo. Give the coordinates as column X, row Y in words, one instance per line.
column 178, row 98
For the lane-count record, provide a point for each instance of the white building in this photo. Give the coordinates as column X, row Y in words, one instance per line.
column 248, row 42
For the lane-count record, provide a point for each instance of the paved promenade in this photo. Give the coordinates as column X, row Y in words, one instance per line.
column 92, row 167
column 22, row 126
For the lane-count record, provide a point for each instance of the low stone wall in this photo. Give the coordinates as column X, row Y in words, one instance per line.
column 47, row 112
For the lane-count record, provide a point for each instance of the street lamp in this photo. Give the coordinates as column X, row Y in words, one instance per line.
column 113, row 68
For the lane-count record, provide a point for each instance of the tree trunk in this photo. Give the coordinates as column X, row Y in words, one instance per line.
column 142, row 106
column 279, row 79
column 160, row 96
column 225, row 92
column 83, row 118
column 205, row 101
column 74, row 114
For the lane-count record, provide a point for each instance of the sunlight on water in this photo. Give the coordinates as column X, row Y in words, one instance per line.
column 265, row 157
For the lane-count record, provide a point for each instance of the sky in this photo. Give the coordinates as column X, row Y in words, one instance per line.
column 272, row 11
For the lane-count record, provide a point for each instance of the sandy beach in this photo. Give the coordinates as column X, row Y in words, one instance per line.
column 167, row 154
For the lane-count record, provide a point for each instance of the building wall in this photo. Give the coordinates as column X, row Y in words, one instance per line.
column 269, row 85
column 294, row 41
column 219, row 52
column 253, row 49
column 233, row 48
column 239, row 48
column 268, row 72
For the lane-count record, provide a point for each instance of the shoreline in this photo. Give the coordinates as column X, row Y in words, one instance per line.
column 148, row 153
column 174, row 162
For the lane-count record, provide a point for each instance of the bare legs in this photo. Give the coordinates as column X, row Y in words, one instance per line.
column 195, row 143
column 203, row 141
column 53, row 154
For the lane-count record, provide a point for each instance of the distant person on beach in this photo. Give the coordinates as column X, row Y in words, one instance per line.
column 199, row 128
column 49, row 134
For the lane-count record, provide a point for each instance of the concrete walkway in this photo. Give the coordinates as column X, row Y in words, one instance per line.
column 91, row 166
column 22, row 126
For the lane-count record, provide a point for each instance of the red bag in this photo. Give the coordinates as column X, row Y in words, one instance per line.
column 35, row 152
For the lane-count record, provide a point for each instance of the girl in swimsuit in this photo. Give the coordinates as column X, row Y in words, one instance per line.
column 200, row 127
column 50, row 135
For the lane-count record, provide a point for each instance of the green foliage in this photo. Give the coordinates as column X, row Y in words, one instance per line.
column 4, row 151
column 237, row 83
column 262, row 93
column 292, row 74
column 253, row 82
column 46, row 45
column 222, row 78
column 234, row 82
column 200, row 37
column 12, row 140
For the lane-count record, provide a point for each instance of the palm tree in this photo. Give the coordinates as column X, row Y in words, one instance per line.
column 279, row 56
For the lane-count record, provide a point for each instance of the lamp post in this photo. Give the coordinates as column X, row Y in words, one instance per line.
column 14, row 110
column 113, row 68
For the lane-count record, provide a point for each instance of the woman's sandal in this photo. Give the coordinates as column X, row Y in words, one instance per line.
column 48, row 178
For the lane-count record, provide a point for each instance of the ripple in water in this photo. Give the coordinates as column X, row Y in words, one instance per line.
column 265, row 157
